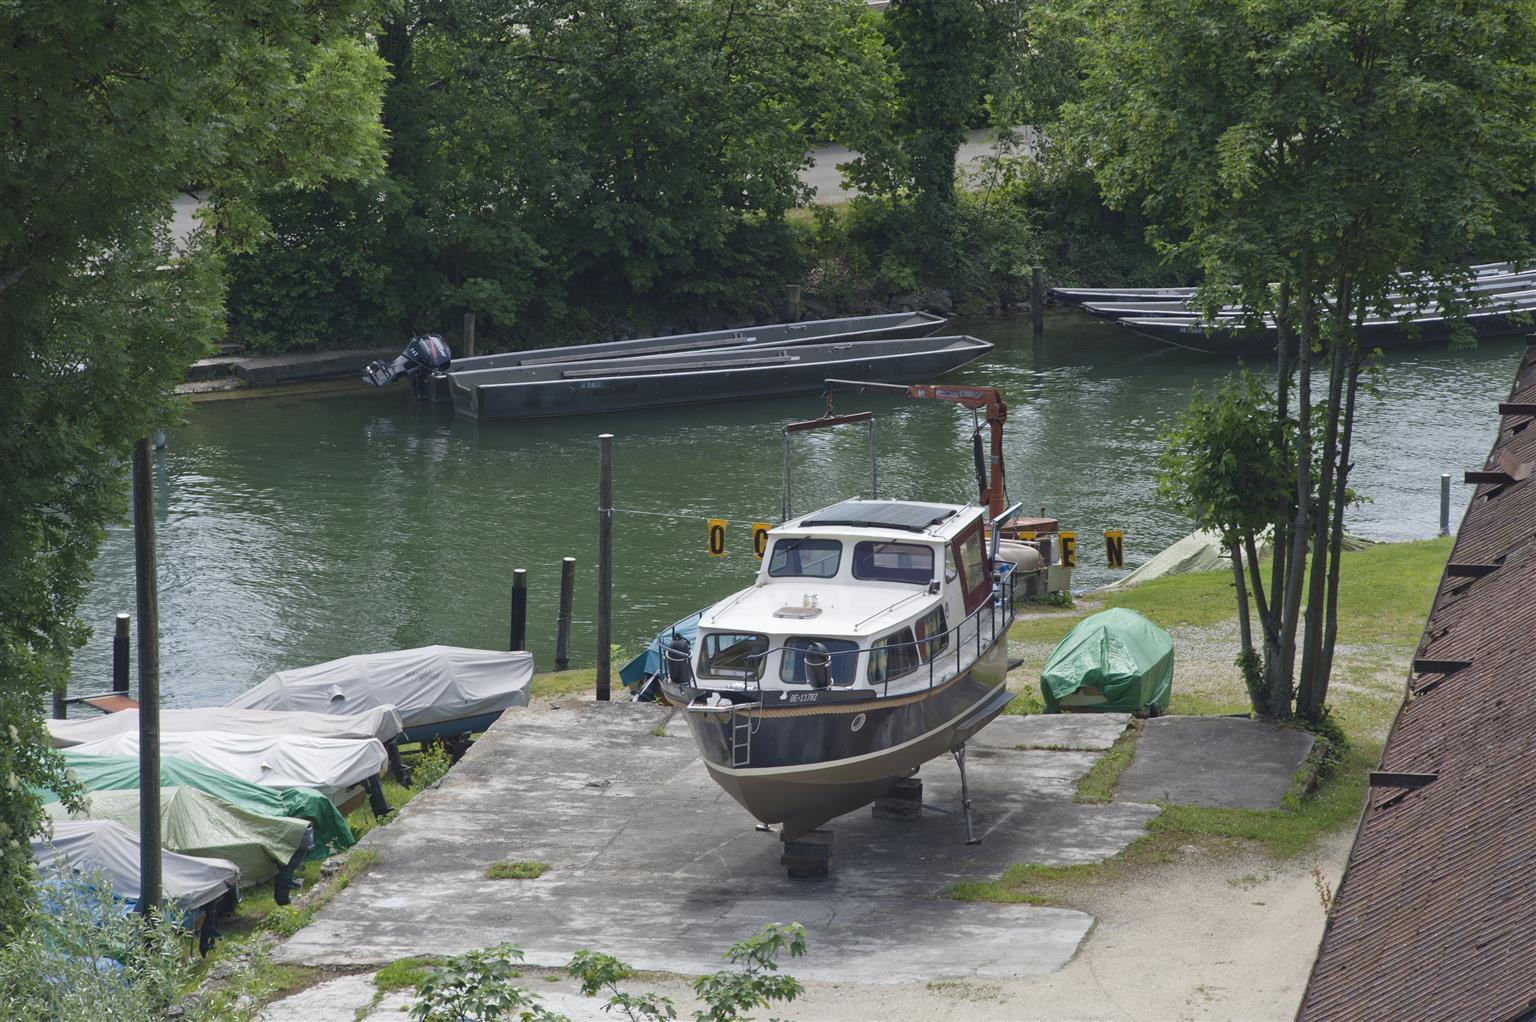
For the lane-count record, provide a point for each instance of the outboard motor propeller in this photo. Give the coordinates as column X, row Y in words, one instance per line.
column 427, row 355
column 818, row 665
column 677, row 654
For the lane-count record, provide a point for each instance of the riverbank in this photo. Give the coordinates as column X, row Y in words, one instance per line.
column 1250, row 875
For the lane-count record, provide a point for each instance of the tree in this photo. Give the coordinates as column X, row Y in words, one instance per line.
column 110, row 110
column 554, row 161
column 1313, row 158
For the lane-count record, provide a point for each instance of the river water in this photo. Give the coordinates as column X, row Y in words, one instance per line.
column 298, row 527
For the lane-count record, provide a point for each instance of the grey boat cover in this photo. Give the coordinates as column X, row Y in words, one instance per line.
column 88, row 847
column 328, row 765
column 194, row 822
column 428, row 685
column 381, row 722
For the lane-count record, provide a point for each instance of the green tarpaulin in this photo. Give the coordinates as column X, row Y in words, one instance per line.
column 1114, row 661
column 120, row 773
column 194, row 822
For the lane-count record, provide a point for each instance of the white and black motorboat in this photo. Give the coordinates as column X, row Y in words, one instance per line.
column 872, row 640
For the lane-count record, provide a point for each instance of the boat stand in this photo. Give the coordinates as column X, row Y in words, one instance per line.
column 965, row 796
column 903, row 802
column 809, row 856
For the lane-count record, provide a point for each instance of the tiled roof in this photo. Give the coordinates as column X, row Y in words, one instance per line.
column 1436, row 915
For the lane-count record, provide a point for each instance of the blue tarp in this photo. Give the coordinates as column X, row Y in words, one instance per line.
column 648, row 663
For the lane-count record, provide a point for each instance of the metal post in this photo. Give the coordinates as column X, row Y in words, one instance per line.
column 1037, row 298
column 604, row 562
column 469, row 335
column 1445, row 504
column 519, row 609
column 874, row 486
column 60, row 707
column 563, row 623
column 149, row 677
column 784, row 512
column 120, row 656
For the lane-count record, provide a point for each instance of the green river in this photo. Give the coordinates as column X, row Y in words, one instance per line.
column 297, row 527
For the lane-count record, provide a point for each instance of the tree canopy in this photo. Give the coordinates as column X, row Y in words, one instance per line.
column 111, row 108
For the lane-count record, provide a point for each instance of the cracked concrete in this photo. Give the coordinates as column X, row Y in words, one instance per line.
column 653, row 863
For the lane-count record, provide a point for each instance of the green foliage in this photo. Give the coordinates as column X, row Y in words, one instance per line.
column 86, row 962
column 600, row 973
column 754, row 982
column 407, row 972
column 111, row 110
column 559, row 167
column 478, row 986
column 429, row 766
column 516, row 870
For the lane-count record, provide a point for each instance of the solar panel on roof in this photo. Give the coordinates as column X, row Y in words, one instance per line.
column 880, row 514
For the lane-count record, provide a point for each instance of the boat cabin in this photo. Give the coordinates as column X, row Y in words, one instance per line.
column 863, row 598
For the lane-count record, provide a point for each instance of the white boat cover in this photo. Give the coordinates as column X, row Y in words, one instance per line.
column 1201, row 550
column 328, row 765
column 102, row 846
column 428, row 685
column 381, row 722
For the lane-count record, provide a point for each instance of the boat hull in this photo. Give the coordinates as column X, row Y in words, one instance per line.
column 811, row 762
column 723, row 375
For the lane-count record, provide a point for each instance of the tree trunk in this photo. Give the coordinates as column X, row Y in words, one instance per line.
column 1336, row 542
column 1246, row 658
column 1309, row 685
column 1280, row 677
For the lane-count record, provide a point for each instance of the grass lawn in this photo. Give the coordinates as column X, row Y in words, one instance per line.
column 1384, row 597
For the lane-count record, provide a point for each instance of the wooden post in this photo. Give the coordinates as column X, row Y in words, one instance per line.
column 120, row 656
column 604, row 563
column 1037, row 298
column 519, row 609
column 1445, row 504
column 563, row 623
column 60, row 707
column 469, row 335
column 149, row 677
column 792, row 306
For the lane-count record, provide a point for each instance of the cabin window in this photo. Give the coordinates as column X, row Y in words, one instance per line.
column 805, row 558
column 893, row 656
column 893, row 562
column 733, row 656
column 949, row 565
column 845, row 659
column 933, row 633
column 971, row 562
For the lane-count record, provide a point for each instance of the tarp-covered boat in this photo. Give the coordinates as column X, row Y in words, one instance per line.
column 121, row 773
column 381, row 722
column 193, row 822
column 1116, row 661
column 439, row 691
column 90, row 847
column 328, row 765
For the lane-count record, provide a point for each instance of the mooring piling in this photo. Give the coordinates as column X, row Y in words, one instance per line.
column 469, row 335
column 519, row 609
column 604, row 563
column 563, row 622
column 149, row 676
column 1445, row 503
column 1037, row 298
column 120, row 646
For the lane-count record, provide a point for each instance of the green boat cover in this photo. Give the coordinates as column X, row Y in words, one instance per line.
column 1121, row 655
column 120, row 773
column 193, row 822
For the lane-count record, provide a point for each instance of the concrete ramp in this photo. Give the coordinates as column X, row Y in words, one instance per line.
column 651, row 862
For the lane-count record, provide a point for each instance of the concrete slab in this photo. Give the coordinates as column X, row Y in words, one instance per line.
column 339, row 998
column 1092, row 731
column 651, row 862
column 1224, row 762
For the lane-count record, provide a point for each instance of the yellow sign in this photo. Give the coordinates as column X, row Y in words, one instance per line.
column 1114, row 547
column 717, row 537
column 760, row 539
column 1024, row 535
column 1069, row 549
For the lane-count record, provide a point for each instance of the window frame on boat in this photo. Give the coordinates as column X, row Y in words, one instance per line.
column 865, row 567
column 709, row 650
column 879, row 652
column 828, row 545
column 978, row 589
column 792, row 657
column 935, row 638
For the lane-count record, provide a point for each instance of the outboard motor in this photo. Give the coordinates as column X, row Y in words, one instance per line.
column 818, row 665
column 426, row 356
column 678, row 656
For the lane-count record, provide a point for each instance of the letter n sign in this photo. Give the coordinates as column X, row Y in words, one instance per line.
column 1114, row 547
column 717, row 537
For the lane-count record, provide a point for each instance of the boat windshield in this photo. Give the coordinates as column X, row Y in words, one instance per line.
column 806, row 558
column 893, row 562
column 845, row 658
column 733, row 655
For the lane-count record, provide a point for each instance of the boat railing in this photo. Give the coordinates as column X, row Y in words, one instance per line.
column 968, row 639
